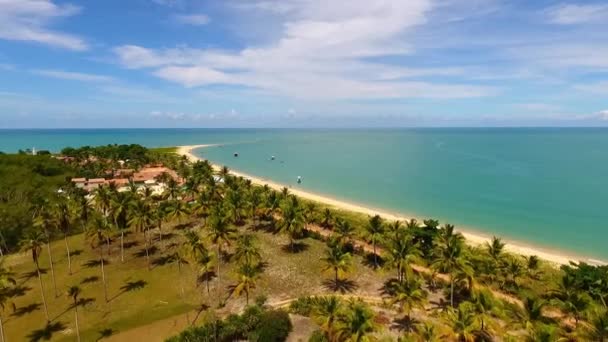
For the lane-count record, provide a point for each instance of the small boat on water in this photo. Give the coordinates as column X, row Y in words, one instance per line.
column 272, row 158
column 236, row 154
column 299, row 179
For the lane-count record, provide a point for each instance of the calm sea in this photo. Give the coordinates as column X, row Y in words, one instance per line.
column 544, row 186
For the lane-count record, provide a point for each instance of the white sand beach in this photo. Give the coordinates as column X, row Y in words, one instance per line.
column 472, row 238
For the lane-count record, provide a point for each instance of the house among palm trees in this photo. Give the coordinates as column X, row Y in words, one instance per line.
column 152, row 176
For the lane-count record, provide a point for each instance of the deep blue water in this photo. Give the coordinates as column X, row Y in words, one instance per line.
column 544, row 186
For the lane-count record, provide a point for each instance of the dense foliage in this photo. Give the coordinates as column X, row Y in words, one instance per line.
column 256, row 324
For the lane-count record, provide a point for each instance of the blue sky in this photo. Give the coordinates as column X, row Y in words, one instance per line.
column 303, row 63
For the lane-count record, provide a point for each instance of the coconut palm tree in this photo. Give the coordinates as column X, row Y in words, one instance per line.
column 495, row 249
column 463, row 323
column 45, row 221
column 569, row 298
column 450, row 258
column 337, row 260
column 65, row 215
column 327, row 218
column 235, row 203
column 485, row 308
column 248, row 275
column 120, row 206
column 221, row 233
column 344, row 231
column 193, row 245
column 73, row 293
column 356, row 323
column 401, row 253
column 178, row 210
column 103, row 199
column 97, row 233
column 205, row 265
column 292, row 220
column 597, row 328
column 374, row 233
column 247, row 251
column 408, row 295
column 530, row 313
column 428, row 332
column 6, row 282
column 326, row 312
column 32, row 242
column 141, row 219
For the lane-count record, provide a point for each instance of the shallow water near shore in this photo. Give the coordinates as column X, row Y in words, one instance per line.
column 545, row 187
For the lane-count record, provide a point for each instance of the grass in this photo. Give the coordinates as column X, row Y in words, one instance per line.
column 139, row 297
column 164, row 149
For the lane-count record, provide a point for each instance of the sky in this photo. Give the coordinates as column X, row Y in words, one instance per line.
column 302, row 63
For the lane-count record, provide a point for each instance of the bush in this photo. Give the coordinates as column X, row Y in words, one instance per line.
column 318, row 336
column 302, row 306
column 274, row 326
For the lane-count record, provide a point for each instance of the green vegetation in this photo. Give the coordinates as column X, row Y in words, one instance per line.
column 204, row 248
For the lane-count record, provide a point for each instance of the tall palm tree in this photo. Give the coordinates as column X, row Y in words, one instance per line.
column 356, row 323
column 374, row 233
column 310, row 212
column 327, row 218
column 73, row 293
column 221, row 233
column 103, row 199
column 485, row 307
column 120, row 205
column 193, row 245
column 235, row 204
column 247, row 251
column 344, row 231
column 326, row 312
column 178, row 210
column 597, row 328
column 402, row 252
column 32, row 242
column 569, row 298
column 530, row 313
column 337, row 260
column 428, row 332
column 408, row 295
column 141, row 219
column 97, row 233
column 495, row 249
column 292, row 220
column 64, row 216
column 45, row 221
column 205, row 265
column 248, row 275
column 6, row 282
column 450, row 257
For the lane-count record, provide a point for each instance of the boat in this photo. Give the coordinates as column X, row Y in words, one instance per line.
column 299, row 179
column 236, row 154
column 272, row 158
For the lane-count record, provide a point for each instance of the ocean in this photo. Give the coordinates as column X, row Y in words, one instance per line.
column 545, row 187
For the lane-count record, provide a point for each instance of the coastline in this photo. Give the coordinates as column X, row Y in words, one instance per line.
column 475, row 239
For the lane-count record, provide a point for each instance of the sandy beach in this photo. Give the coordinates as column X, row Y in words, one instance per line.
column 472, row 238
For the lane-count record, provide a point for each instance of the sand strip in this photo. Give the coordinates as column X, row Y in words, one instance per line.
column 473, row 239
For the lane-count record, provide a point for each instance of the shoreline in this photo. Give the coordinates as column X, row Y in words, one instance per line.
column 474, row 239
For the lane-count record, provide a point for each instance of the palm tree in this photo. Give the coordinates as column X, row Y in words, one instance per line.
column 97, row 233
column 310, row 212
column 569, row 298
column 248, row 275
column 495, row 249
column 428, row 332
column 141, row 219
column 46, row 222
column 484, row 306
column 597, row 328
column 247, row 251
column 408, row 295
column 337, row 260
column 530, row 313
column 33, row 242
column 344, row 231
column 120, row 205
column 73, row 293
column 205, row 264
column 64, row 216
column 402, row 252
column 450, row 257
column 327, row 218
column 221, row 233
column 235, row 205
column 178, row 210
column 6, row 282
column 356, row 323
column 326, row 311
column 103, row 199
column 193, row 246
column 292, row 220
column 374, row 233
column 463, row 323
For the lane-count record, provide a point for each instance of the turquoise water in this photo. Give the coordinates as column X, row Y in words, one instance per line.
column 546, row 187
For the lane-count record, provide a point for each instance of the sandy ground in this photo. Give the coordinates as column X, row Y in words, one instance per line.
column 472, row 238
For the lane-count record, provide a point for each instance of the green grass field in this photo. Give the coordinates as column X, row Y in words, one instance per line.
column 164, row 149
column 139, row 297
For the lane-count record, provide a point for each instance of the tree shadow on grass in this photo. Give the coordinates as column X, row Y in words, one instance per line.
column 24, row 310
column 370, row 261
column 184, row 226
column 163, row 260
column 142, row 252
column 105, row 333
column 296, row 247
column 46, row 333
column 95, row 263
column 17, row 291
column 130, row 286
column 28, row 275
column 341, row 285
column 88, row 280
column 76, row 252
column 404, row 323
column 166, row 236
column 130, row 244
column 201, row 308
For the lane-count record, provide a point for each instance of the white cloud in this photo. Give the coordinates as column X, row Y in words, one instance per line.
column 603, row 115
column 74, row 76
column 28, row 20
column 599, row 88
column 568, row 14
column 192, row 19
column 322, row 51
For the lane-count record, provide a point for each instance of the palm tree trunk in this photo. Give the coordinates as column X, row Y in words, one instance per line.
column 336, row 274
column 219, row 261
column 452, row 290
column 179, row 271
column 147, row 252
column 67, row 248
column 122, row 245
column 46, row 310
column 76, row 316
column 247, row 298
column 103, row 274
column 108, row 244
column 48, row 248
column 1, row 329
column 375, row 255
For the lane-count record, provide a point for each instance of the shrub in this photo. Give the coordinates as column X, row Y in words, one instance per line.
column 318, row 336
column 274, row 326
column 302, row 306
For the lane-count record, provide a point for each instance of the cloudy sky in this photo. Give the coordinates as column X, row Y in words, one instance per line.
column 303, row 63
